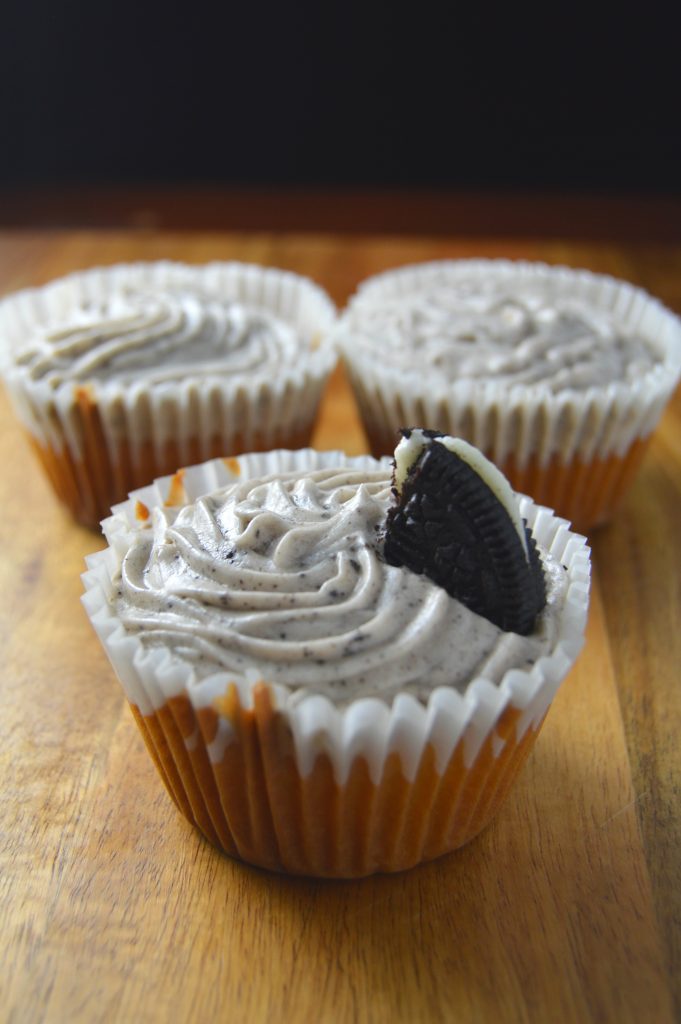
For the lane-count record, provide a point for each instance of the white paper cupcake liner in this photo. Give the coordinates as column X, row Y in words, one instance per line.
column 522, row 421
column 367, row 729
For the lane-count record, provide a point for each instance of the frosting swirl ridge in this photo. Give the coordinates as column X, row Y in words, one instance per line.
column 284, row 575
column 157, row 336
column 484, row 329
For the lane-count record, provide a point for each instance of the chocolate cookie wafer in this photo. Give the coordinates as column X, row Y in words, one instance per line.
column 456, row 520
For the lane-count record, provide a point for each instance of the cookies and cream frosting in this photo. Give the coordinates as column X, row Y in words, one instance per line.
column 513, row 332
column 158, row 335
column 283, row 576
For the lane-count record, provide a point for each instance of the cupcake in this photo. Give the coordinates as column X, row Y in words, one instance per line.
column 558, row 375
column 126, row 373
column 339, row 671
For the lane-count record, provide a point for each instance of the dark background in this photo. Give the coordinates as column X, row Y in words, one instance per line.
column 323, row 95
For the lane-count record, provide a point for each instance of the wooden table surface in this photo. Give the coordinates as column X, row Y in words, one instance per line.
column 567, row 908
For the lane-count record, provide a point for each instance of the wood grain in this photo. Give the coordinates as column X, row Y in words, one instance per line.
column 567, row 908
column 616, row 216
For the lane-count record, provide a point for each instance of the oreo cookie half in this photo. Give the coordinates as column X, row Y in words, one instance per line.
column 457, row 520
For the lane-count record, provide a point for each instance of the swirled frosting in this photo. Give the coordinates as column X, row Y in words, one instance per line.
column 160, row 335
column 487, row 329
column 284, row 576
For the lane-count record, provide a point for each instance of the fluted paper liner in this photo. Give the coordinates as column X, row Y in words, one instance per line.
column 575, row 451
column 100, row 440
column 297, row 784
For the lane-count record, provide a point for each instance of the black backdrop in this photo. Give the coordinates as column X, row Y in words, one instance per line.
column 269, row 94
